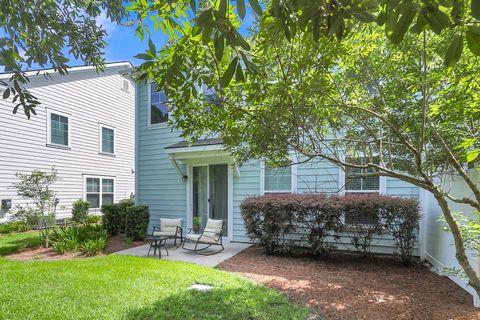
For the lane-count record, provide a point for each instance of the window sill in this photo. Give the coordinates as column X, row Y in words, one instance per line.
column 157, row 125
column 58, row 146
column 112, row 155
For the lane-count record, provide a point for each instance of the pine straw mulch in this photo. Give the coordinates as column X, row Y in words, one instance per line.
column 114, row 244
column 346, row 287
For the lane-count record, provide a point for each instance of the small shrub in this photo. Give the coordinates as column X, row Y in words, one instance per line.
column 80, row 211
column 93, row 247
column 92, row 219
column 114, row 216
column 136, row 222
column 83, row 239
column 13, row 226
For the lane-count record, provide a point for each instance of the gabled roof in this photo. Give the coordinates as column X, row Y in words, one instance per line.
column 201, row 142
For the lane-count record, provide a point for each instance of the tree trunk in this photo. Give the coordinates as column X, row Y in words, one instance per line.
column 460, row 254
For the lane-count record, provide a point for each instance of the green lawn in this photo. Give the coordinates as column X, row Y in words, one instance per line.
column 120, row 287
column 13, row 242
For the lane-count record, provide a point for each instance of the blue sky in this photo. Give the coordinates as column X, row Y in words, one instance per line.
column 123, row 44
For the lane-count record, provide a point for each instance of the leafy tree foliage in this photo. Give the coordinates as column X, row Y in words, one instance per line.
column 42, row 34
column 42, row 202
column 395, row 106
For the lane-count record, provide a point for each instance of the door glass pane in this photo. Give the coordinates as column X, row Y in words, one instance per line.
column 107, row 140
column 200, row 208
column 218, row 180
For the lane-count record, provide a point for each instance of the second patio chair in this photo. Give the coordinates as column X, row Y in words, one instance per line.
column 210, row 236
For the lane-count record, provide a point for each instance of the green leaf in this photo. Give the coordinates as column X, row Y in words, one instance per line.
column 219, row 44
column 6, row 93
column 207, row 35
column 204, row 17
column 241, row 40
column 363, row 16
column 438, row 20
column 408, row 14
column 239, row 77
column 255, row 7
column 475, row 6
column 222, row 8
column 473, row 39
column 193, row 5
column 151, row 46
column 241, row 8
column 228, row 75
column 143, row 56
column 454, row 51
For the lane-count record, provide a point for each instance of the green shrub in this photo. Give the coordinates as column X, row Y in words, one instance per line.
column 114, row 216
column 78, row 239
column 273, row 220
column 80, row 211
column 93, row 247
column 136, row 222
column 92, row 219
column 13, row 226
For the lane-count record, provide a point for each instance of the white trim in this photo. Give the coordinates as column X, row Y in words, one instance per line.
column 212, row 147
column 49, row 127
column 70, row 70
column 100, row 139
column 230, row 201
column 293, row 183
column 149, row 110
column 383, row 185
column 101, row 178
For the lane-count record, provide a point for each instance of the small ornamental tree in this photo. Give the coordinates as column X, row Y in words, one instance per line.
column 42, row 201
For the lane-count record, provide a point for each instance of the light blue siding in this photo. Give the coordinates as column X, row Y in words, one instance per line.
column 158, row 183
column 160, row 186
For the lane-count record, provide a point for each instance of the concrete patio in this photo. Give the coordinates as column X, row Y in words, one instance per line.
column 179, row 254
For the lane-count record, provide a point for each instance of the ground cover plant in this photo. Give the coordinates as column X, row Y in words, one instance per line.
column 122, row 287
column 88, row 240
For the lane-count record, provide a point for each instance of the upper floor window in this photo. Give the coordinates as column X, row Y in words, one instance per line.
column 125, row 85
column 58, row 129
column 99, row 191
column 278, row 179
column 107, row 140
column 158, row 106
column 355, row 182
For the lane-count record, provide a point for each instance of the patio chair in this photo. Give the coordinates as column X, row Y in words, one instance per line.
column 210, row 236
column 169, row 228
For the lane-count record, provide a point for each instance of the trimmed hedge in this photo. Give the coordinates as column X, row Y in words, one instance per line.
column 272, row 219
column 136, row 222
column 114, row 216
column 80, row 211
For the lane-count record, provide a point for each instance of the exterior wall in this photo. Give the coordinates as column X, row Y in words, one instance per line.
column 89, row 99
column 160, row 186
column 438, row 244
column 158, row 183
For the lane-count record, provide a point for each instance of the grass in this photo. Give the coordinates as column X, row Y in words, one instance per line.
column 122, row 287
column 13, row 242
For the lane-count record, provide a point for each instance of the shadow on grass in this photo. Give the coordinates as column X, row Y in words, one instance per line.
column 248, row 302
column 13, row 242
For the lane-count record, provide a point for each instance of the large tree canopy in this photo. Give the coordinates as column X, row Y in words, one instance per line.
column 394, row 110
column 42, row 34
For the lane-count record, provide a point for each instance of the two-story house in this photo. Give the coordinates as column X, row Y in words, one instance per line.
column 84, row 128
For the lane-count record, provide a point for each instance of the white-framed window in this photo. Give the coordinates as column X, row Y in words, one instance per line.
column 157, row 110
column 278, row 179
column 99, row 191
column 354, row 182
column 107, row 139
column 58, row 129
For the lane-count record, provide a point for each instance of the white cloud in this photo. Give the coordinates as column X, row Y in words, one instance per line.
column 106, row 24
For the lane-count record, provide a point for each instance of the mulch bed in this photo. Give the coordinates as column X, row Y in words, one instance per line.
column 114, row 244
column 346, row 287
